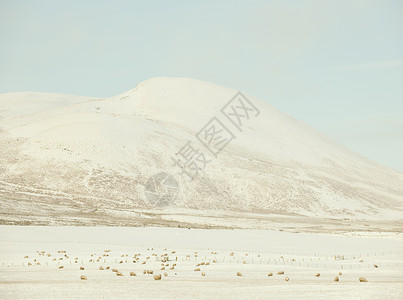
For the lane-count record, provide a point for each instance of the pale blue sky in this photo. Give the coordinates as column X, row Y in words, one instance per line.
column 336, row 65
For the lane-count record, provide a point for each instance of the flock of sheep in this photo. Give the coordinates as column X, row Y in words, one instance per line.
column 167, row 261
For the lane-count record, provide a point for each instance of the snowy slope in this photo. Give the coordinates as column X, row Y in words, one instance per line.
column 70, row 159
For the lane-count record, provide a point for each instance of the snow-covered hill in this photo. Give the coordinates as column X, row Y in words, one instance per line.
column 74, row 160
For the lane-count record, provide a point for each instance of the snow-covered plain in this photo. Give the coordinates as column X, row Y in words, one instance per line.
column 256, row 253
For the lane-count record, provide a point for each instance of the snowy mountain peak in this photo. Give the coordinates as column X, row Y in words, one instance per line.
column 69, row 156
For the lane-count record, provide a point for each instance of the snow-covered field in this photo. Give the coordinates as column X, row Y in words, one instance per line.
column 219, row 254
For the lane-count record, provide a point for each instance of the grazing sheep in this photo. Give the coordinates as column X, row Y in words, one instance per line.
column 132, row 274
column 29, row 264
column 239, row 274
column 362, row 279
column 286, row 279
column 317, row 274
column 336, row 279
column 26, row 256
column 115, row 270
column 81, row 268
column 171, row 268
column 270, row 274
column 119, row 274
column 375, row 266
column 340, row 273
column 202, row 263
column 203, row 274
column 162, row 268
column 143, row 263
column 280, row 273
column 150, row 271
column 83, row 277
column 157, row 277
column 145, row 272
column 61, row 267
column 107, row 268
column 207, row 263
column 197, row 269
column 165, row 274
column 101, row 268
